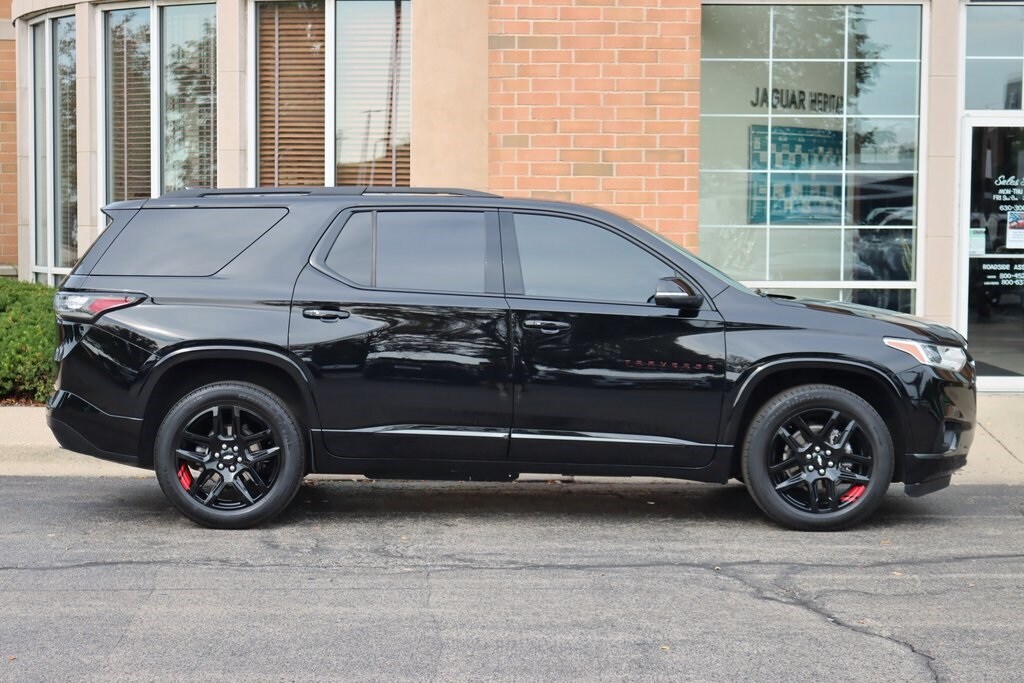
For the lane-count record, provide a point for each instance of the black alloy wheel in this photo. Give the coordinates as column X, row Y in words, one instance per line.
column 818, row 457
column 229, row 455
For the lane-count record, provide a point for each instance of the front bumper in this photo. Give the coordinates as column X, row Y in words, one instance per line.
column 942, row 425
column 81, row 427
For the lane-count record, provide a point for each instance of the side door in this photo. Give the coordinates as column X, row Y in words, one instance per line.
column 603, row 375
column 401, row 321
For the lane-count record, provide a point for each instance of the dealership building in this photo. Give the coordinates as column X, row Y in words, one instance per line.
column 870, row 152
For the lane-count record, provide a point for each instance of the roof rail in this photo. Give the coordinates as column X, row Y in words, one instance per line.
column 453, row 191
column 340, row 190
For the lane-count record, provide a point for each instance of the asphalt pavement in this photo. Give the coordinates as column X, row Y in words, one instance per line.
column 539, row 580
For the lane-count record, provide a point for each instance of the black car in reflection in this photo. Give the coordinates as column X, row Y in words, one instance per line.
column 237, row 340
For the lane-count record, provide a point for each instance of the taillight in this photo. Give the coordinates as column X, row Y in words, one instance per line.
column 87, row 306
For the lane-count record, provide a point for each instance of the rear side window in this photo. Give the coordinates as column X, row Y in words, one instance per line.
column 191, row 242
column 443, row 251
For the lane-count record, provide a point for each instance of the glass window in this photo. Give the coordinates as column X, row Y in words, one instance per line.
column 291, row 93
column 191, row 242
column 65, row 148
column 441, row 251
column 881, row 144
column 186, row 143
column 806, row 199
column 809, row 32
column 740, row 252
column 128, row 89
column 40, row 144
column 55, row 147
column 801, row 254
column 885, row 32
column 880, row 199
column 734, row 31
column 883, row 88
column 802, row 145
column 352, row 254
column 370, row 94
column 562, row 258
column 189, row 63
column 373, row 66
column 993, row 83
column 995, row 233
column 721, row 92
column 995, row 57
column 724, row 143
column 995, row 31
column 733, row 198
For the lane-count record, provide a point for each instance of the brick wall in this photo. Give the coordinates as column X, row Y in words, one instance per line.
column 8, row 150
column 597, row 101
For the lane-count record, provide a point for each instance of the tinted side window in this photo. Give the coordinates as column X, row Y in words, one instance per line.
column 564, row 258
column 441, row 251
column 352, row 253
column 184, row 241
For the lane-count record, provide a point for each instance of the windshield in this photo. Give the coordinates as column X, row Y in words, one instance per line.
column 704, row 264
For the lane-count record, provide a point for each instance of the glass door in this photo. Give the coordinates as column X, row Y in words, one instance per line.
column 994, row 238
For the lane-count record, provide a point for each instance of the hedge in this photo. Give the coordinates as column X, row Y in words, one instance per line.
column 27, row 340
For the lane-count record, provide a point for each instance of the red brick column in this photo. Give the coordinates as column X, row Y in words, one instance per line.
column 598, row 101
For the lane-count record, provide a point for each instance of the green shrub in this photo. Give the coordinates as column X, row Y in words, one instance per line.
column 27, row 340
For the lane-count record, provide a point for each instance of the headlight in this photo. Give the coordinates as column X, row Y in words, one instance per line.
column 949, row 357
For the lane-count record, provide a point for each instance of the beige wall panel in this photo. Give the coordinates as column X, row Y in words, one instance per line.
column 940, row 203
column 943, row 55
column 940, row 194
column 89, row 201
column 939, row 297
column 938, row 239
column 20, row 8
column 942, row 115
column 232, row 97
column 449, row 93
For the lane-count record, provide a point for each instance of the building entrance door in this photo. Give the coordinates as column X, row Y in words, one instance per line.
column 993, row 233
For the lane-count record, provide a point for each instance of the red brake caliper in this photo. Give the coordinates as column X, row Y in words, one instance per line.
column 853, row 493
column 185, row 476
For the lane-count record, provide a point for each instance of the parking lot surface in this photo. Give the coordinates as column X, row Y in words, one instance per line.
column 100, row 579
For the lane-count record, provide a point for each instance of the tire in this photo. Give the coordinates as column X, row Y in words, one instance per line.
column 229, row 455
column 817, row 458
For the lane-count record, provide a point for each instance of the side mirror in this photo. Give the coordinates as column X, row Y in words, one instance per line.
column 674, row 293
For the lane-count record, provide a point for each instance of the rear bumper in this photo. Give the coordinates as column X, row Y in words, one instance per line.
column 81, row 427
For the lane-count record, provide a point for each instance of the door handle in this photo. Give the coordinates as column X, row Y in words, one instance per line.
column 324, row 314
column 546, row 326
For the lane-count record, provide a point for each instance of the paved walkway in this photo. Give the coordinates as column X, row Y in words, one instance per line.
column 28, row 449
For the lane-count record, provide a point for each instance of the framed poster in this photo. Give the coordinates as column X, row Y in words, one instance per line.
column 813, row 192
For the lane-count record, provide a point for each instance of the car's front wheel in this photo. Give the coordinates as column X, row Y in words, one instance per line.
column 817, row 457
column 229, row 455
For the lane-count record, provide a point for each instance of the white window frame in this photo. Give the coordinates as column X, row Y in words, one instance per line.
column 330, row 92
column 917, row 284
column 330, row 87
column 155, row 94
column 51, row 272
column 970, row 119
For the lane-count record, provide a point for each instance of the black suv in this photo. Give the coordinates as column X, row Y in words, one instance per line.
column 236, row 340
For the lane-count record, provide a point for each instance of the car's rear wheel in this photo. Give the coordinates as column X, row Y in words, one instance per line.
column 818, row 457
column 229, row 455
